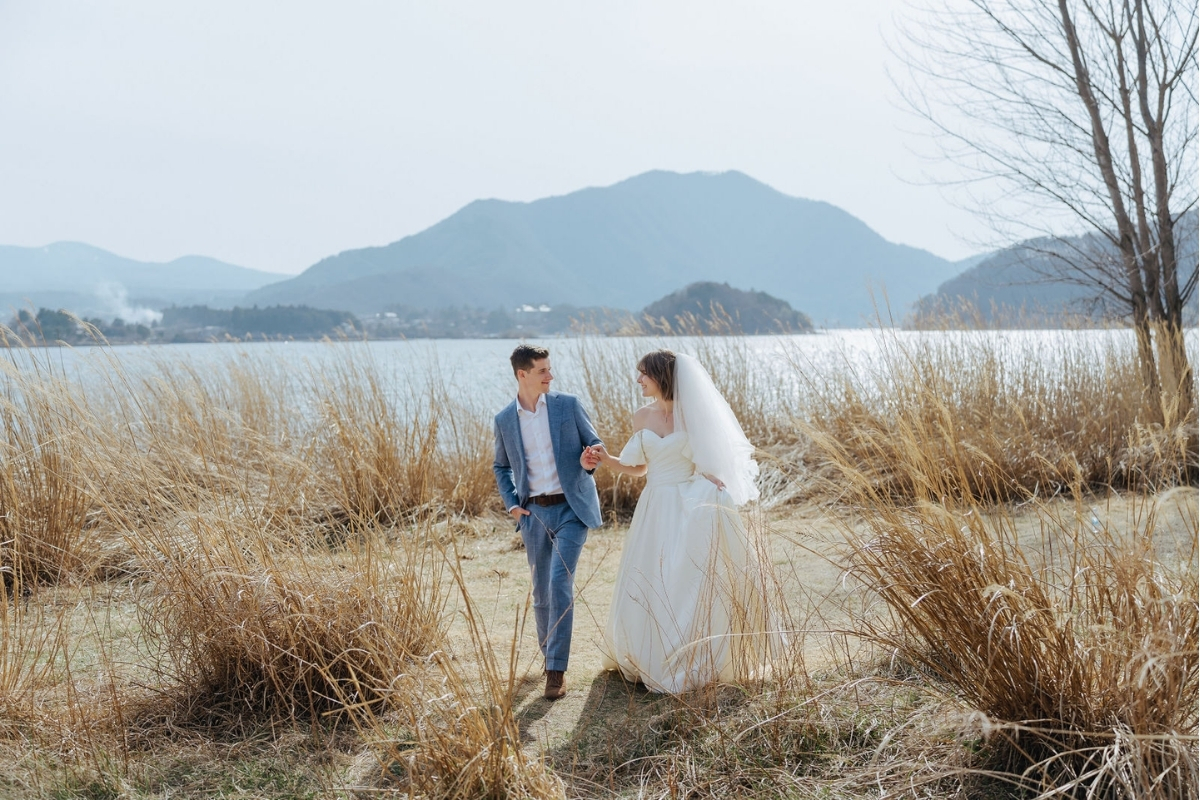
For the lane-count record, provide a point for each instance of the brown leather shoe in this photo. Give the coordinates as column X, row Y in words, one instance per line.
column 556, row 684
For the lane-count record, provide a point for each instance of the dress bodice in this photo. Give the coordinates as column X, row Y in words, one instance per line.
column 668, row 459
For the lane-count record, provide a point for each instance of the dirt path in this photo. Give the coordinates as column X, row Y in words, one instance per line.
column 807, row 545
column 804, row 546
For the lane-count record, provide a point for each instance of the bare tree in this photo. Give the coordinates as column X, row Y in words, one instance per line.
column 1076, row 117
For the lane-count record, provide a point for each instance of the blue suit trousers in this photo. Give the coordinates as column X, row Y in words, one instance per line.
column 554, row 537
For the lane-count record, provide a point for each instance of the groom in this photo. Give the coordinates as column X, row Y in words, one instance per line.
column 544, row 473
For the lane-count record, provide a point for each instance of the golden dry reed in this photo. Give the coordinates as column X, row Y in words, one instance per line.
column 455, row 733
column 997, row 417
column 243, row 629
column 266, row 586
column 277, row 529
column 1077, row 643
column 44, row 507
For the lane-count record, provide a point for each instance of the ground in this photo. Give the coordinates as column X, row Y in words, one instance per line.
column 807, row 544
column 603, row 720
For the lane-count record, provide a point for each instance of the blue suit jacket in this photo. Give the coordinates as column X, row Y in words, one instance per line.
column 570, row 432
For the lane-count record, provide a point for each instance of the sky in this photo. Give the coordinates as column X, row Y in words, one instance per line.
column 273, row 134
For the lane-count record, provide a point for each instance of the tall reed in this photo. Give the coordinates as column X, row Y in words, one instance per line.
column 45, row 535
column 242, row 626
column 994, row 418
column 1079, row 647
column 214, row 485
column 32, row 640
column 459, row 736
column 385, row 454
column 245, row 610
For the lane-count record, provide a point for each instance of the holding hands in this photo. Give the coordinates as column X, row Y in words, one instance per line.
column 593, row 456
column 596, row 455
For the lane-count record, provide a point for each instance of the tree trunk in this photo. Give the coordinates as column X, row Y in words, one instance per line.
column 1140, row 304
column 1175, row 372
column 1146, row 361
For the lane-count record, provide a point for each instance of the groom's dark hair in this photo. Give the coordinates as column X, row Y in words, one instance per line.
column 659, row 366
column 524, row 356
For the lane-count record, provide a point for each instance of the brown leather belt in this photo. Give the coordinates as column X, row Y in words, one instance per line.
column 548, row 499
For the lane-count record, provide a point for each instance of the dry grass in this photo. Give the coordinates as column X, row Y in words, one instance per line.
column 288, row 540
column 1082, row 652
column 44, row 532
column 459, row 734
column 241, row 631
column 30, row 642
column 1079, row 648
column 996, row 419
column 419, row 454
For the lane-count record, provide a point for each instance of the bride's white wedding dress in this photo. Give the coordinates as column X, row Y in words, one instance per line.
column 688, row 608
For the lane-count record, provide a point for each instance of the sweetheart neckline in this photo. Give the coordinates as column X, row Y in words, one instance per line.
column 660, row 438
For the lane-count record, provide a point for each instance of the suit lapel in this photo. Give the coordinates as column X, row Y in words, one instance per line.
column 517, row 460
column 553, row 414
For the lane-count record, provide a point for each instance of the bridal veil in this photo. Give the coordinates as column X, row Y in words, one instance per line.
column 719, row 446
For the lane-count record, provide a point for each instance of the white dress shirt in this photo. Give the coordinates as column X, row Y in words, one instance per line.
column 539, row 450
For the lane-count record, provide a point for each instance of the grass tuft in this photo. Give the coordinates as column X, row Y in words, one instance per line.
column 241, row 630
column 995, row 418
column 1078, row 643
column 45, row 535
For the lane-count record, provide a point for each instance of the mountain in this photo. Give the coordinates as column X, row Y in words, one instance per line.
column 90, row 281
column 719, row 308
column 623, row 246
column 1013, row 281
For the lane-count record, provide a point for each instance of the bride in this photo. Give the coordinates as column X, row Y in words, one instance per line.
column 689, row 605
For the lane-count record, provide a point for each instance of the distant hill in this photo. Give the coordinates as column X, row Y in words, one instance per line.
column 1012, row 281
column 90, row 281
column 185, row 324
column 301, row 322
column 623, row 246
column 718, row 308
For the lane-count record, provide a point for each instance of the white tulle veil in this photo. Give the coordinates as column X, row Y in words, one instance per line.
column 719, row 446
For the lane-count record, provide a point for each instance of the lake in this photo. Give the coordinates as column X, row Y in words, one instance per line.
column 478, row 369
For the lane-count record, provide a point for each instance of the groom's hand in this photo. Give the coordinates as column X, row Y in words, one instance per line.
column 518, row 512
column 589, row 459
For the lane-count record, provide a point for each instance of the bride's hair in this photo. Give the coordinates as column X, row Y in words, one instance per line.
column 659, row 366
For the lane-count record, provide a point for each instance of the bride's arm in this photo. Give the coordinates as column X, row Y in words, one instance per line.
column 614, row 463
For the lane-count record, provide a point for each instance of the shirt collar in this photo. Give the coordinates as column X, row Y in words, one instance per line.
column 541, row 403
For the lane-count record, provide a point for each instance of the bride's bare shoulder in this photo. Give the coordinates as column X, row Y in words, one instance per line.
column 642, row 417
